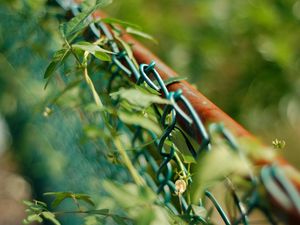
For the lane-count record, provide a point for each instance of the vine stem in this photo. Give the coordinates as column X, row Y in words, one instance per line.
column 181, row 166
column 185, row 176
column 117, row 141
column 135, row 175
column 189, row 186
column 89, row 212
column 72, row 51
column 90, row 82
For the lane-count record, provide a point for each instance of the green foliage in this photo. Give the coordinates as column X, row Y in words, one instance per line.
column 139, row 203
column 209, row 171
column 123, row 23
column 139, row 33
column 56, row 62
column 140, row 120
column 93, row 49
column 139, row 97
column 38, row 212
column 61, row 196
column 82, row 112
column 94, row 4
column 51, row 217
column 80, row 21
column 173, row 80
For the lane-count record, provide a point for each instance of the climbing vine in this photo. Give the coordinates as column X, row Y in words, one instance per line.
column 171, row 178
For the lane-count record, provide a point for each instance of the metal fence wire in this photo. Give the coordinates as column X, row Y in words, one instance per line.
column 162, row 181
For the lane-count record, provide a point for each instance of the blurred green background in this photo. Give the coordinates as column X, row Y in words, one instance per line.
column 243, row 55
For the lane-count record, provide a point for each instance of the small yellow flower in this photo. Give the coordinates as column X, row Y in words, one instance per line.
column 278, row 144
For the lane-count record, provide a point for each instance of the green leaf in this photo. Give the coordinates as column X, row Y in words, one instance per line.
column 60, row 196
column 28, row 203
column 139, row 33
column 90, row 47
column 125, row 46
column 75, row 25
column 35, row 206
column 84, row 197
column 94, row 49
column 102, row 56
column 221, row 161
column 42, row 204
column 123, row 23
column 94, row 4
column 81, row 20
column 140, row 120
column 173, row 80
column 57, row 60
column 119, row 220
column 178, row 220
column 32, row 218
column 139, row 98
column 51, row 217
column 185, row 144
column 100, row 211
column 188, row 158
